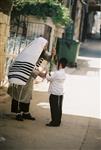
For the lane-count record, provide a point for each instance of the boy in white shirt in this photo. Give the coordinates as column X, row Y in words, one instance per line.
column 56, row 92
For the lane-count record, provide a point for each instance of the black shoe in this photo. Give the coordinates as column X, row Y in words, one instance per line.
column 19, row 117
column 52, row 125
column 28, row 116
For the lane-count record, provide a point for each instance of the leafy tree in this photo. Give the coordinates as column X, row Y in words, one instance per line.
column 43, row 9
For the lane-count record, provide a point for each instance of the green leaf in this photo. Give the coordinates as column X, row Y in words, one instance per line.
column 45, row 8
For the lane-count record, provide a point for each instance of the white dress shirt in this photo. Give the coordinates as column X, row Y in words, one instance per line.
column 56, row 82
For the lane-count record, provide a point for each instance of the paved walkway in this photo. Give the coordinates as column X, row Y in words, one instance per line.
column 77, row 132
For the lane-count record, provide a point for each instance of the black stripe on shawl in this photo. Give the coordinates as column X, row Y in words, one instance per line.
column 22, row 71
column 20, row 62
column 39, row 62
column 37, row 65
column 21, row 68
column 18, row 77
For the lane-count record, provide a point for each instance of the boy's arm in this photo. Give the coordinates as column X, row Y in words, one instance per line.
column 51, row 76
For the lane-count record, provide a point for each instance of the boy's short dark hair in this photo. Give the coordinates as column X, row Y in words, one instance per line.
column 63, row 61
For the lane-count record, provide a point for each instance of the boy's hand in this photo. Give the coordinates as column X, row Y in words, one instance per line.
column 42, row 74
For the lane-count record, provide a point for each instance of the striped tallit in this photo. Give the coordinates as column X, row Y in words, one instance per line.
column 26, row 61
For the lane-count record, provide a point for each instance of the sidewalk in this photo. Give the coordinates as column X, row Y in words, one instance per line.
column 77, row 132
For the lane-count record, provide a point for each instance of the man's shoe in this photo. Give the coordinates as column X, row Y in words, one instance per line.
column 52, row 125
column 19, row 117
column 28, row 116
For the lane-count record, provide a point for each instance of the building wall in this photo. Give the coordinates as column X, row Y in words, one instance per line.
column 5, row 9
column 4, row 30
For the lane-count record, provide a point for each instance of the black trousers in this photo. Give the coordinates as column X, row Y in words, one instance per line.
column 18, row 107
column 56, row 108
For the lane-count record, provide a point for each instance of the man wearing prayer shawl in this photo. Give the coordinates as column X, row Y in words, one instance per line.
column 21, row 74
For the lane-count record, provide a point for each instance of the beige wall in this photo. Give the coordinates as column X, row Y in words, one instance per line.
column 4, row 30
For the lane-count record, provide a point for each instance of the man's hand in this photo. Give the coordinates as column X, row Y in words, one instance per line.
column 53, row 52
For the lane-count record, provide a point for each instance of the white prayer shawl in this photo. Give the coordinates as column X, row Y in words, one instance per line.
column 21, row 69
